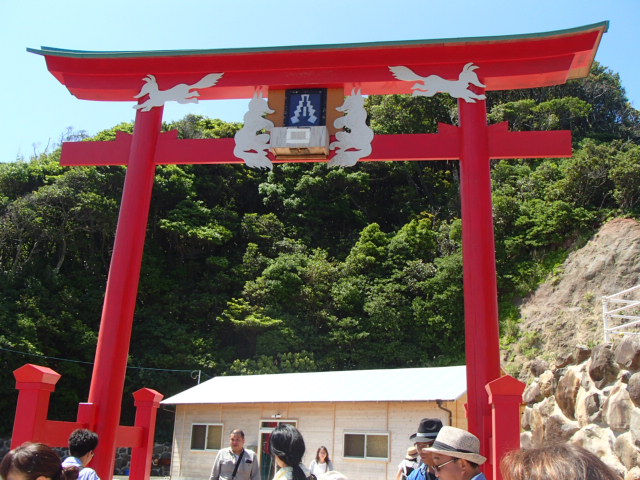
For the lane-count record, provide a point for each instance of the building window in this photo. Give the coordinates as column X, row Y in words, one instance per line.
column 206, row 436
column 373, row 446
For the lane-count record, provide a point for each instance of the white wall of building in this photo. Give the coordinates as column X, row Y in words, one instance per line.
column 320, row 424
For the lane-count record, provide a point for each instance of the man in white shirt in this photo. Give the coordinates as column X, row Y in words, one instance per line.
column 82, row 443
column 235, row 462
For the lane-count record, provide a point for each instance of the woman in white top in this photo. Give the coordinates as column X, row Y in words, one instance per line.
column 322, row 463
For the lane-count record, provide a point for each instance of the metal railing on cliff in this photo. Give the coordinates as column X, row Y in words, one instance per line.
column 621, row 307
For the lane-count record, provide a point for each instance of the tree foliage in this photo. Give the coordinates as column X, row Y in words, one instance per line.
column 301, row 268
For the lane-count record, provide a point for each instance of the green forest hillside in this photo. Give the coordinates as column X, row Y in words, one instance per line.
column 303, row 268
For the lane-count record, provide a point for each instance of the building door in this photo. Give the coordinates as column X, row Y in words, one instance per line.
column 267, row 462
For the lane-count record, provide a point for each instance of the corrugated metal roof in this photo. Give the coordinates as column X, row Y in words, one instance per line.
column 402, row 384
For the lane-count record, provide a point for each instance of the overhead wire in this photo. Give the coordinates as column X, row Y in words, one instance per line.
column 91, row 363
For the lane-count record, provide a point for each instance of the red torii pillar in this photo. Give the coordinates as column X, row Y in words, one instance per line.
column 110, row 367
column 482, row 337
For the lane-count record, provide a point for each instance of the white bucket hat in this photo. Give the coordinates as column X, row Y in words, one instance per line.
column 457, row 443
column 332, row 475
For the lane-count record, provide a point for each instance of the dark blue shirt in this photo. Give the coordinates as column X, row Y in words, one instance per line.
column 421, row 473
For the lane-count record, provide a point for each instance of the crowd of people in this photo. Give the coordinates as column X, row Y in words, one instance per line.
column 445, row 452
column 450, row 453
column 287, row 446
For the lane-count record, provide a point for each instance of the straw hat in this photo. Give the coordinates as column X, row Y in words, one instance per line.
column 412, row 453
column 457, row 443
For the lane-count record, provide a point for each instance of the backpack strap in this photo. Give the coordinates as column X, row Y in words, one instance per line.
column 235, row 469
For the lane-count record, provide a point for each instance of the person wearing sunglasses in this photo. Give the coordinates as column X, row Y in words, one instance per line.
column 423, row 438
column 455, row 455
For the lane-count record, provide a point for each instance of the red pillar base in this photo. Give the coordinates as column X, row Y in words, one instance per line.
column 36, row 383
column 505, row 398
column 147, row 402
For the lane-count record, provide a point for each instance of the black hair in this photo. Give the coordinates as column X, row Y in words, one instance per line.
column 288, row 445
column 82, row 441
column 237, row 431
column 34, row 460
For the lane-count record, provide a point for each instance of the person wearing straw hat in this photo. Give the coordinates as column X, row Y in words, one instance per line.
column 408, row 464
column 424, row 437
column 455, row 455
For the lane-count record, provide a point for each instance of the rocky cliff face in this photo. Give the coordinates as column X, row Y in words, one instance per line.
column 582, row 390
column 567, row 309
column 591, row 398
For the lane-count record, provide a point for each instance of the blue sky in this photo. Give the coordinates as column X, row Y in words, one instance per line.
column 37, row 109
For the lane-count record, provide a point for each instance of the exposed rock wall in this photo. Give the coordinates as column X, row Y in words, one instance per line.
column 567, row 308
column 590, row 397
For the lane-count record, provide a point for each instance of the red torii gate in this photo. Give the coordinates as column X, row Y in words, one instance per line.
column 522, row 61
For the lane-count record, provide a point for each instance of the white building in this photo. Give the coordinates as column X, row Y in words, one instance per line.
column 363, row 417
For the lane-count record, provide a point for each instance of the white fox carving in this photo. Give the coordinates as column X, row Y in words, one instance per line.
column 433, row 84
column 181, row 93
column 354, row 144
column 251, row 144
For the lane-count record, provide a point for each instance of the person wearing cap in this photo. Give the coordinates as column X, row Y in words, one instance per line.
column 423, row 438
column 455, row 455
column 408, row 464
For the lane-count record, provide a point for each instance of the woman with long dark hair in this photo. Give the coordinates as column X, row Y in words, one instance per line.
column 35, row 461
column 322, row 463
column 288, row 447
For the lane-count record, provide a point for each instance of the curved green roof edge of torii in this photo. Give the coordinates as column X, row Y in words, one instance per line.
column 60, row 52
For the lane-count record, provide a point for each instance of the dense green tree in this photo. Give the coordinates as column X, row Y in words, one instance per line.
column 301, row 268
column 600, row 96
column 625, row 175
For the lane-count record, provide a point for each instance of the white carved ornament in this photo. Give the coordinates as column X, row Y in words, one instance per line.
column 252, row 145
column 181, row 93
column 429, row 86
column 354, row 144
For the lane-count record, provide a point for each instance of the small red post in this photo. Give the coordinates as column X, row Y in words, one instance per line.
column 505, row 398
column 35, row 384
column 86, row 415
column 147, row 402
column 107, row 380
column 479, row 267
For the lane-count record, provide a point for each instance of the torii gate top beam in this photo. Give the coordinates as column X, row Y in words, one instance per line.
column 506, row 62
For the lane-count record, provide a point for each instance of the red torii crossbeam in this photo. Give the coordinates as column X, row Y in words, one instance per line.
column 521, row 61
column 444, row 145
